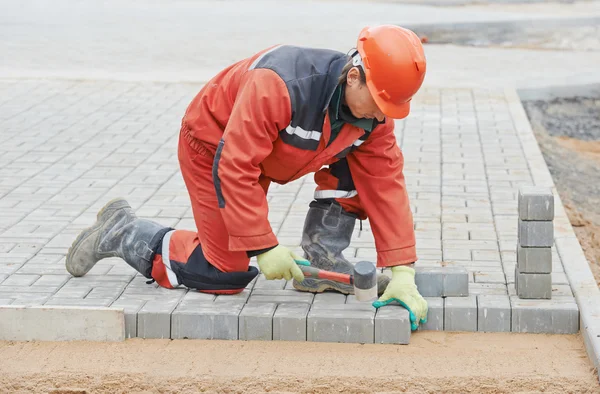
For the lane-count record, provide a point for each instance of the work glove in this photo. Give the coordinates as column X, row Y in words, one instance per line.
column 402, row 289
column 281, row 263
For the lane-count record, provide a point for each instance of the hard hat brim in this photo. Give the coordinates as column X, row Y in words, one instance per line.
column 389, row 109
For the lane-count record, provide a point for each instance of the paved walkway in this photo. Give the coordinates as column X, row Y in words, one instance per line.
column 69, row 147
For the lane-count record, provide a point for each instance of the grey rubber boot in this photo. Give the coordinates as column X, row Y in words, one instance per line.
column 116, row 233
column 327, row 232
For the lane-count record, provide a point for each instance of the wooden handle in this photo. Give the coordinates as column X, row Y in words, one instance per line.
column 315, row 273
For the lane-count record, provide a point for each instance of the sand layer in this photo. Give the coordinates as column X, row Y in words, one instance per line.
column 433, row 362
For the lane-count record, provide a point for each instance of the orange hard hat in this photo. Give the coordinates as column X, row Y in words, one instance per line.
column 394, row 63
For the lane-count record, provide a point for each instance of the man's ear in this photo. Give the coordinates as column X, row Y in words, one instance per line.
column 353, row 76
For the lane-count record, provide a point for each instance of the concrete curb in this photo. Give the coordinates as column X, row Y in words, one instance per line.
column 61, row 323
column 575, row 264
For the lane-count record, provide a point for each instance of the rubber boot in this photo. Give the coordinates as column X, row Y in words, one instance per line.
column 116, row 233
column 327, row 232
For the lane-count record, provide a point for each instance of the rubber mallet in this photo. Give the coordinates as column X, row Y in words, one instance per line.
column 364, row 278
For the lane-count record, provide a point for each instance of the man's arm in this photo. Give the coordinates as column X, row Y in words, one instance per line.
column 376, row 168
column 261, row 109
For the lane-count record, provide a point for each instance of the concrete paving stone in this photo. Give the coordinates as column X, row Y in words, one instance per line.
column 263, row 283
column 535, row 234
column 239, row 297
column 329, row 298
column 561, row 291
column 494, row 313
column 457, row 254
column 559, row 278
column 154, row 319
column 194, row 296
column 435, row 314
column 62, row 323
column 28, row 289
column 536, row 203
column 256, row 322
column 442, row 282
column 51, row 280
column 534, row 260
column 79, row 301
column 67, row 291
column 460, row 313
column 282, row 296
column 105, row 292
column 489, row 277
column 488, row 289
column 289, row 322
column 485, row 255
column 339, row 325
column 206, row 321
column 19, row 280
column 131, row 309
column 559, row 315
column 392, row 325
column 536, row 286
column 30, row 299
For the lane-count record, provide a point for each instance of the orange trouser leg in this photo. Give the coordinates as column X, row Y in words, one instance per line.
column 196, row 169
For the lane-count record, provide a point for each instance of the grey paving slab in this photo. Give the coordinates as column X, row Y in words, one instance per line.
column 130, row 309
column 289, row 322
column 488, row 289
column 559, row 315
column 392, row 325
column 256, row 322
column 533, row 286
column 154, row 319
column 536, row 203
column 460, row 313
column 534, row 260
column 206, row 321
column 493, row 313
column 329, row 298
column 435, row 314
column 346, row 325
column 536, row 234
column 442, row 281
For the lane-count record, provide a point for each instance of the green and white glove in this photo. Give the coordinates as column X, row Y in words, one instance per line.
column 402, row 289
column 281, row 263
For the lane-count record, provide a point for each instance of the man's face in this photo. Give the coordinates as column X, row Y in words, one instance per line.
column 359, row 99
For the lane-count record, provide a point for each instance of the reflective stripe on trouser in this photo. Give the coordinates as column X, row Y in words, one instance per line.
column 335, row 183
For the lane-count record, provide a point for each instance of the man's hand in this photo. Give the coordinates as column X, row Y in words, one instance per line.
column 281, row 263
column 402, row 288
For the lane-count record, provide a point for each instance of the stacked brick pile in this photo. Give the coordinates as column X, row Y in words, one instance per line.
column 533, row 272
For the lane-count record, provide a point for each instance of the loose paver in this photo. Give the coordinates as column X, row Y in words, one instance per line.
column 467, row 168
column 392, row 325
column 536, row 234
column 536, row 203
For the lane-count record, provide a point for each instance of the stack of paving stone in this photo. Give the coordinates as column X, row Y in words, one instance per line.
column 533, row 272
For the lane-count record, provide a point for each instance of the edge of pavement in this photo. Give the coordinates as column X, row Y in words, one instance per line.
column 579, row 274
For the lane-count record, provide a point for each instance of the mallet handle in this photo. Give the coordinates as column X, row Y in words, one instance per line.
column 315, row 273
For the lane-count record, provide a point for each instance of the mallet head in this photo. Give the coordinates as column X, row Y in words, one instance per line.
column 365, row 281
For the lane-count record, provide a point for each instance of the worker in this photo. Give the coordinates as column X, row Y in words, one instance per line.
column 276, row 116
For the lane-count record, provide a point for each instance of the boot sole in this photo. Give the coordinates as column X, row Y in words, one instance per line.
column 89, row 231
column 322, row 287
